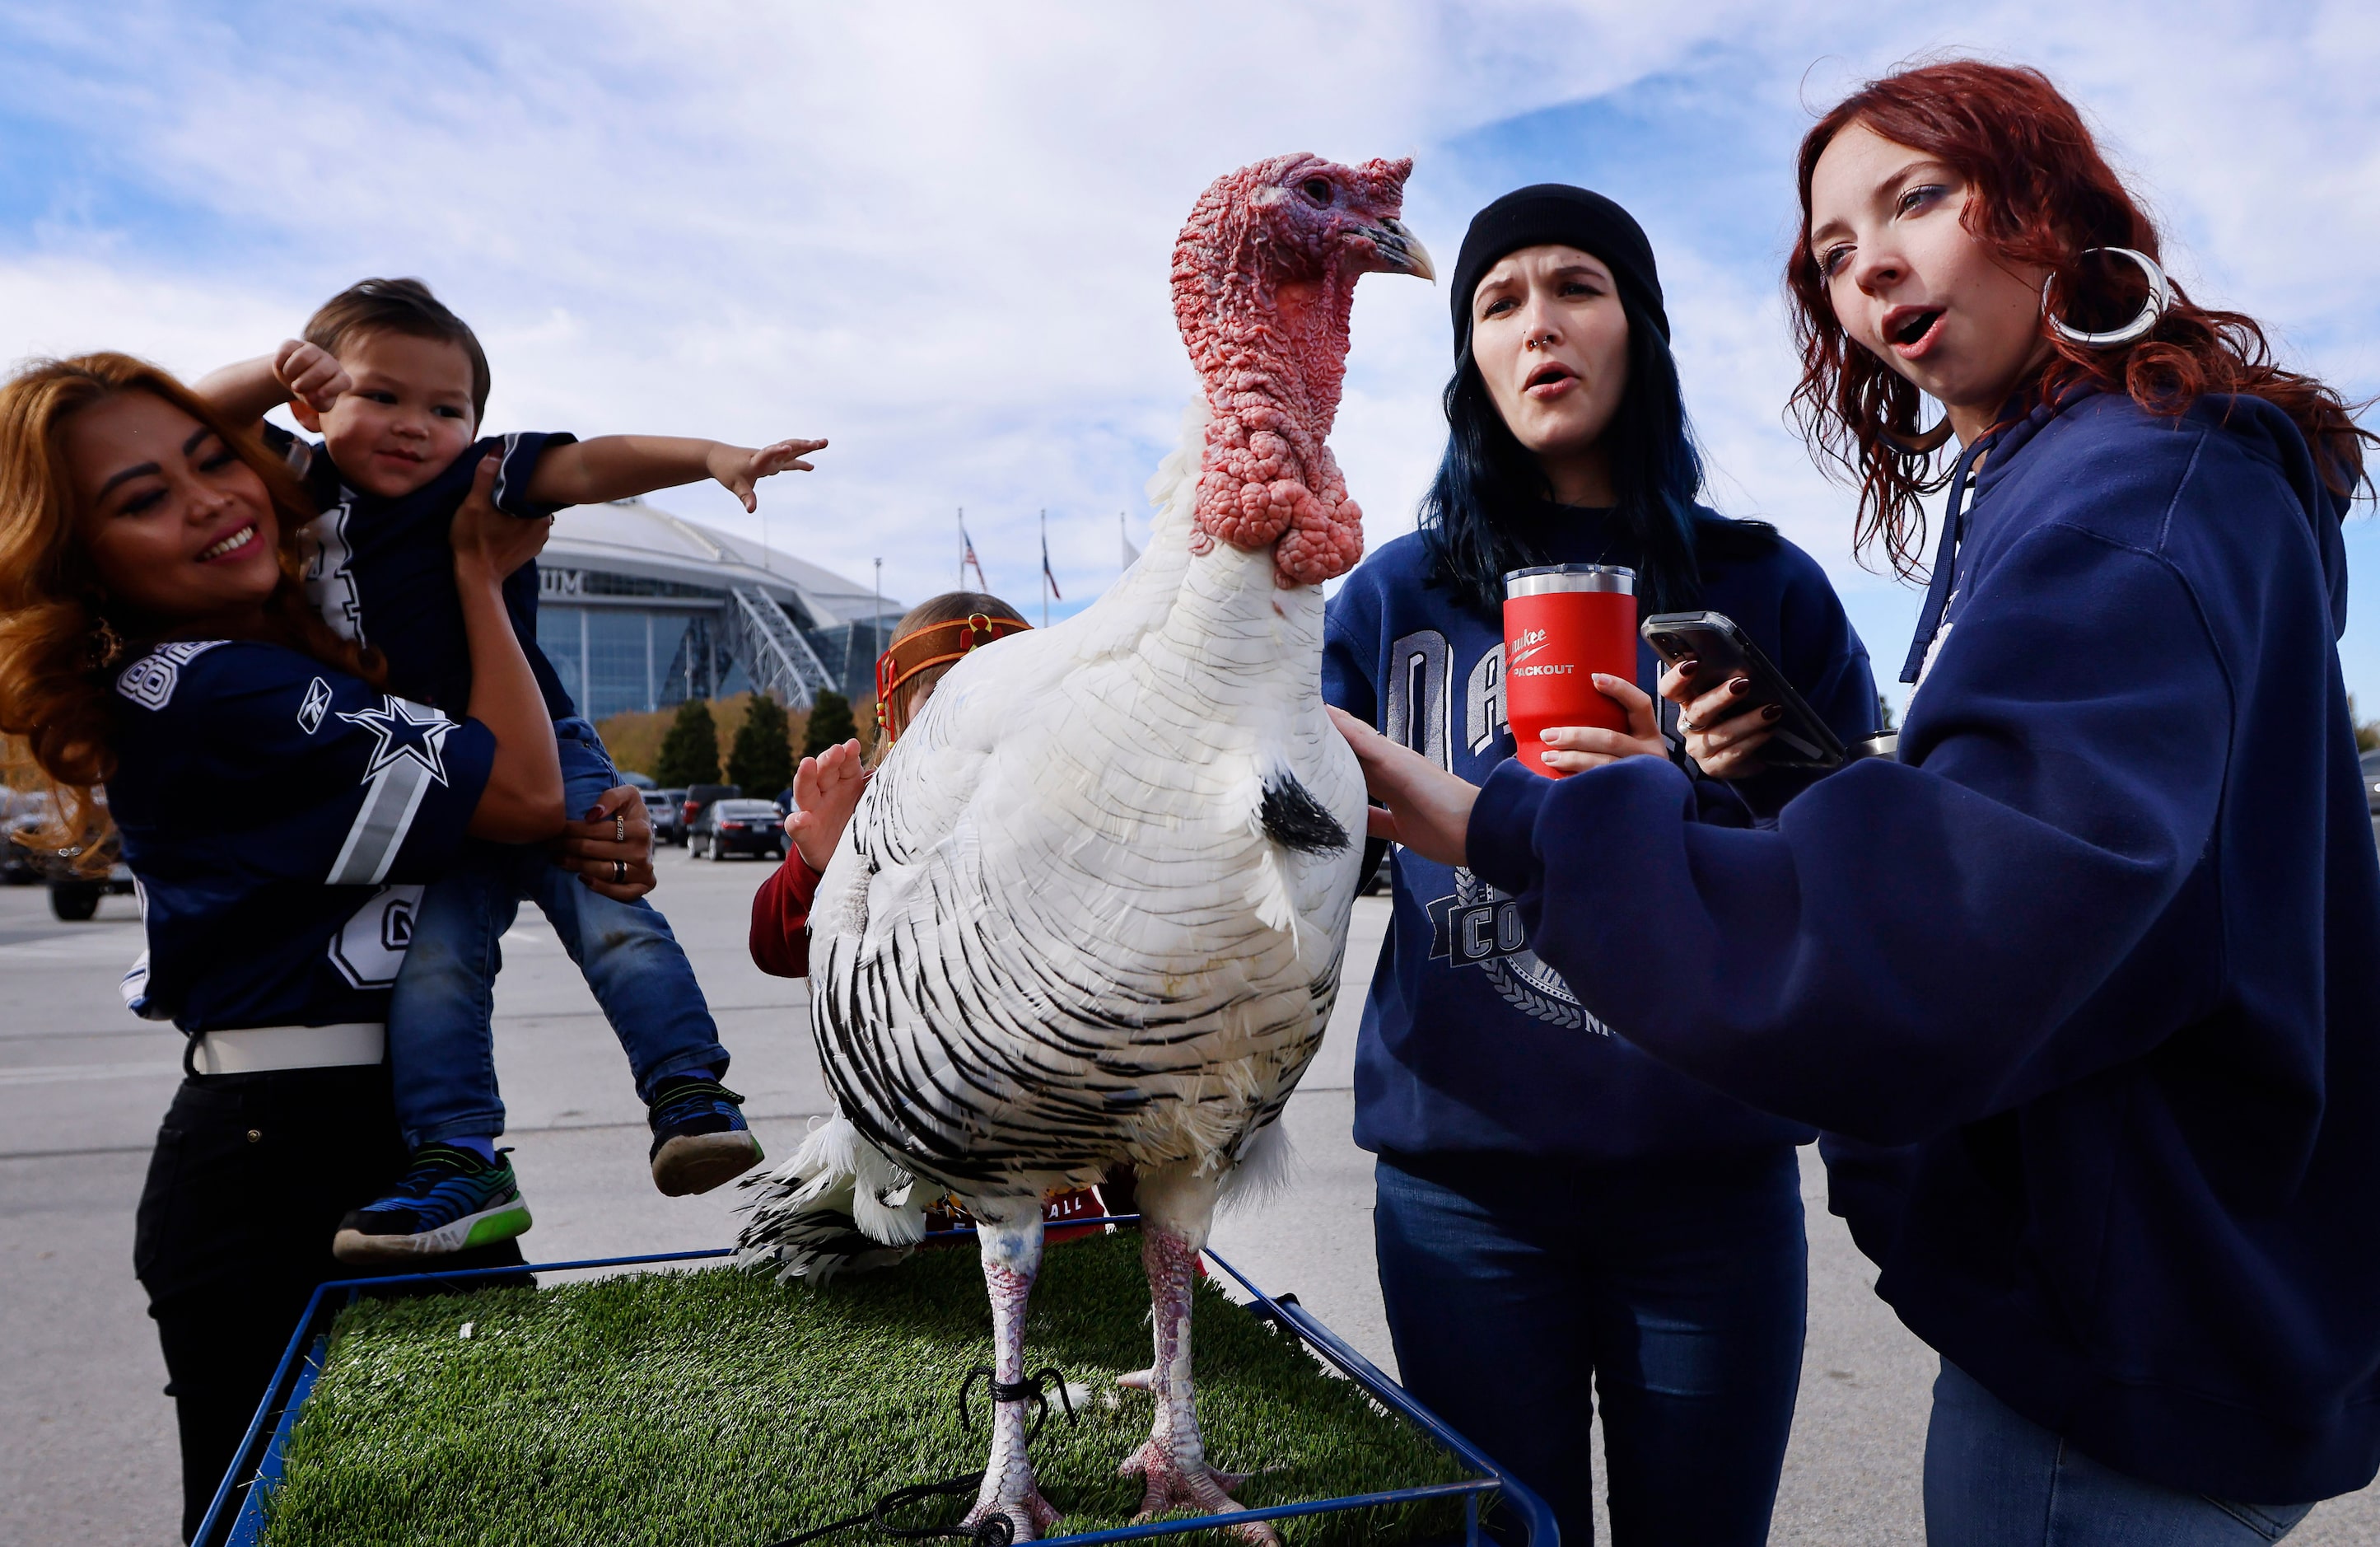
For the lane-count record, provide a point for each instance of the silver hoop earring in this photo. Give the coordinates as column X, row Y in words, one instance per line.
column 2160, row 296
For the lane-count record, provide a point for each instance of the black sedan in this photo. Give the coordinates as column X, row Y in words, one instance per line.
column 726, row 827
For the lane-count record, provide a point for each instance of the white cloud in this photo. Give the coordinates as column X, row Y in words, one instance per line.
column 942, row 239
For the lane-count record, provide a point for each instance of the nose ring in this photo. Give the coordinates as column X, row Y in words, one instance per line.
column 1539, row 342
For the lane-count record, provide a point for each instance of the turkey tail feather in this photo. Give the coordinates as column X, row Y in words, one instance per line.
column 841, row 1204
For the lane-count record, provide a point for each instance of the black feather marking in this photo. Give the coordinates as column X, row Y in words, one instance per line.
column 1295, row 819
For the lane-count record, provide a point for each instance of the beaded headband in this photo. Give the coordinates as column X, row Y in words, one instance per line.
column 936, row 644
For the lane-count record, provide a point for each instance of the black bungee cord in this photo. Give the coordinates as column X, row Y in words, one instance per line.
column 993, row 1531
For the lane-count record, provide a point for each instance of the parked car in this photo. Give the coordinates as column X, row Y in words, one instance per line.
column 666, row 808
column 736, row 826
column 21, row 810
column 645, row 782
column 2372, row 781
column 75, row 890
column 699, row 796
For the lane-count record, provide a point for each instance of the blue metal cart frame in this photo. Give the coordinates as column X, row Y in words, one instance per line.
column 235, row 1518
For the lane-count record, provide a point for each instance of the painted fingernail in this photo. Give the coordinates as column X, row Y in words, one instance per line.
column 1770, row 711
column 1686, row 666
column 1739, row 687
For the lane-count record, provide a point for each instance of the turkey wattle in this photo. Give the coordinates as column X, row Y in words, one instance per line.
column 1091, row 909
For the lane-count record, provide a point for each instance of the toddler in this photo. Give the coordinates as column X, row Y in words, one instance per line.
column 394, row 385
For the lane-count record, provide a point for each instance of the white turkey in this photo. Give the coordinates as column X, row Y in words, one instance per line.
column 1091, row 909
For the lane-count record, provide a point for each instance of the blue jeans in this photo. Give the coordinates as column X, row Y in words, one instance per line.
column 1995, row 1479
column 441, row 1017
column 1677, row 1290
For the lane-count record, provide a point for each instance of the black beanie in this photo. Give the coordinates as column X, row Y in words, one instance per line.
column 1556, row 214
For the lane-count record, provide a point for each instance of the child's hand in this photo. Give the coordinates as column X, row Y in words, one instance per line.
column 739, row 467
column 826, row 791
column 313, row 375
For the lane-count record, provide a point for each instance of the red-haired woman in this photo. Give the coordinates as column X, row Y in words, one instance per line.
column 155, row 635
column 2092, row 972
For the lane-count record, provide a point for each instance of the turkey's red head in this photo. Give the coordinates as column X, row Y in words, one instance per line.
column 1264, row 274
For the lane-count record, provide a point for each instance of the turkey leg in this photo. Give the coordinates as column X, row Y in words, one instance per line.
column 1176, row 1207
column 1012, row 1256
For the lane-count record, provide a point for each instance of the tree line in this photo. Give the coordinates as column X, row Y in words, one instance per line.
column 761, row 757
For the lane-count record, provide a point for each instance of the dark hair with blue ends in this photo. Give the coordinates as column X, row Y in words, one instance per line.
column 1490, row 507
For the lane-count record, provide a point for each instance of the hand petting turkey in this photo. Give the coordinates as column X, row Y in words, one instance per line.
column 826, row 791
column 739, row 468
column 1725, row 730
column 312, row 374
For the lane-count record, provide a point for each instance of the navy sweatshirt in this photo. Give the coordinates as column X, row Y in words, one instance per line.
column 2101, row 952
column 1470, row 1044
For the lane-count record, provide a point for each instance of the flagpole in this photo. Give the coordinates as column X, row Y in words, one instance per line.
column 962, row 548
column 1045, row 569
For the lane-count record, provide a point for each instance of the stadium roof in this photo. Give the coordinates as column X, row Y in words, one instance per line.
column 629, row 536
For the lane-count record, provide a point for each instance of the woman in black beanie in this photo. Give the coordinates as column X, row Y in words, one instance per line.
column 1557, row 1212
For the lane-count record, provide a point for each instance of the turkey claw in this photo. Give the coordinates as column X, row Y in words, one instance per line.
column 1139, row 1379
column 1028, row 1517
column 1202, row 1489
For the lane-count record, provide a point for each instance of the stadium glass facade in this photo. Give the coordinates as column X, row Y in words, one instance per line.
column 639, row 609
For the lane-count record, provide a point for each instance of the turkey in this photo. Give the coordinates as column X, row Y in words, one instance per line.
column 1090, row 911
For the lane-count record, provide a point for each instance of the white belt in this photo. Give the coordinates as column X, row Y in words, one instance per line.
column 260, row 1049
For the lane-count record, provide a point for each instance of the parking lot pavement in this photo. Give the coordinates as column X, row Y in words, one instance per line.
column 86, row 1438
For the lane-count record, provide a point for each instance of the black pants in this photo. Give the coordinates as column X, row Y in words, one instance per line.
column 251, row 1176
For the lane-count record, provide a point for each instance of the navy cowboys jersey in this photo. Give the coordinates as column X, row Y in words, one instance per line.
column 381, row 571
column 280, row 816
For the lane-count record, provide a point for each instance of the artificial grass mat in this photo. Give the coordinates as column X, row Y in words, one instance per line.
column 720, row 1408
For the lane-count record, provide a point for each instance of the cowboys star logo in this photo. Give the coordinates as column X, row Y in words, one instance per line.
column 404, row 731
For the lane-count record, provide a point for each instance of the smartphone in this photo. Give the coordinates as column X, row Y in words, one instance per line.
column 1800, row 738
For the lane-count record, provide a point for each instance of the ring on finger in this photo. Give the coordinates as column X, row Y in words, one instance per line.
column 619, row 828
column 619, row 872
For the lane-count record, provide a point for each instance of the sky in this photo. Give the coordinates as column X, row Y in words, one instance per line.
column 938, row 235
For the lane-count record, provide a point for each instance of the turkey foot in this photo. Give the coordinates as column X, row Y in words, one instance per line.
column 1171, row 1484
column 1012, row 1256
column 1173, row 1464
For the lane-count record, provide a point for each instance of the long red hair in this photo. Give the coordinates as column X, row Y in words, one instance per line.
column 2040, row 193
column 53, row 683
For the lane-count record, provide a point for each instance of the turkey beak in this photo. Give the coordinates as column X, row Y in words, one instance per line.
column 1397, row 250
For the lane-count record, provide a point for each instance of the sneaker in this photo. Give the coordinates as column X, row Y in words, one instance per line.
column 699, row 1136
column 450, row 1199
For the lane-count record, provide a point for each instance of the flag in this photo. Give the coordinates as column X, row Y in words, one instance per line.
column 1047, row 573
column 967, row 559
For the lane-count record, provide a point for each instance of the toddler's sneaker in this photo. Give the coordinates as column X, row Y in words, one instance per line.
column 699, row 1136
column 450, row 1199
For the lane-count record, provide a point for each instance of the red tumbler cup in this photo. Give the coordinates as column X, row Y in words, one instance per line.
column 1562, row 623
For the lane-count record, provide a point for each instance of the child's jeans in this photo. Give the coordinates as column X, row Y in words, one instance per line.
column 440, row 1033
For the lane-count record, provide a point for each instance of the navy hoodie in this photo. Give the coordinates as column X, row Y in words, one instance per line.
column 1470, row 1044
column 2101, row 953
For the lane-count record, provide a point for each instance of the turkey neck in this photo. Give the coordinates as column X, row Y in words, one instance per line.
column 1288, row 350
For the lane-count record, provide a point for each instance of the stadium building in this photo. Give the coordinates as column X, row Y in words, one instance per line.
column 642, row 609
